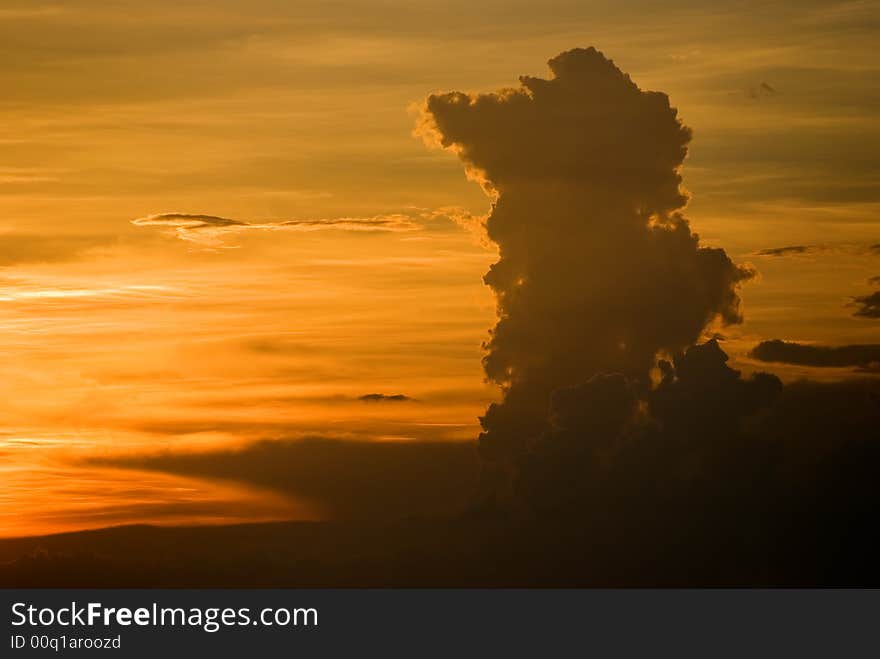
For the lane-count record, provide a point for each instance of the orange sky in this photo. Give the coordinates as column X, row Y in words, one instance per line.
column 119, row 337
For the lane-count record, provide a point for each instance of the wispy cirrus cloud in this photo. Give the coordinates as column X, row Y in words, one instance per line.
column 213, row 231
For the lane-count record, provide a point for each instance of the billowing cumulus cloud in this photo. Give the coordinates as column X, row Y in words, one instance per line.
column 602, row 441
column 599, row 270
column 866, row 357
column 600, row 278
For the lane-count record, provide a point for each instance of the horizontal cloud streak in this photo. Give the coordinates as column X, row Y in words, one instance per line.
column 384, row 398
column 350, row 479
column 799, row 354
column 211, row 230
column 800, row 250
column 787, row 251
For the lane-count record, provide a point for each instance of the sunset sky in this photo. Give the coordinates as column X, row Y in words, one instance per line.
column 218, row 224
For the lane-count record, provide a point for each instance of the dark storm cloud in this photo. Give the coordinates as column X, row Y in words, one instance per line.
column 714, row 469
column 789, row 352
column 599, row 274
column 615, row 442
column 598, row 270
column 867, row 306
column 19, row 248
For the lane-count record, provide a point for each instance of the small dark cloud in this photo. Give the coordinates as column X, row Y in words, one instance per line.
column 19, row 248
column 280, row 345
column 875, row 248
column 867, row 306
column 799, row 354
column 787, row 251
column 760, row 90
column 874, row 280
column 384, row 398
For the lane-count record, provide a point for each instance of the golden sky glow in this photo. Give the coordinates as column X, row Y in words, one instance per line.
column 217, row 225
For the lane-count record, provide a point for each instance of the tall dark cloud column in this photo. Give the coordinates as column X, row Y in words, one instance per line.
column 598, row 269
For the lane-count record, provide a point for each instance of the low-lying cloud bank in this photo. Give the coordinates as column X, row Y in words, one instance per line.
column 349, row 479
column 711, row 465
